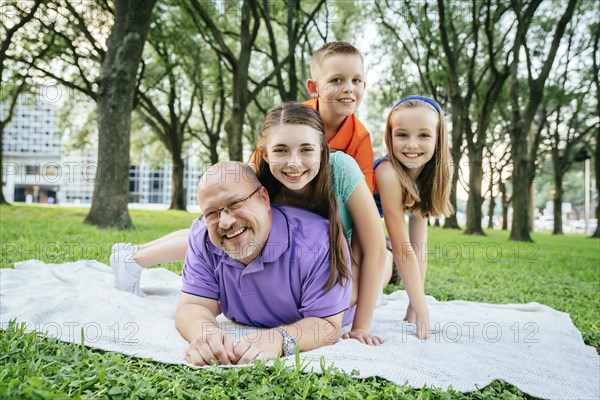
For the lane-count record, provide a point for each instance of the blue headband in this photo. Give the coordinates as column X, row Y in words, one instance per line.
column 421, row 98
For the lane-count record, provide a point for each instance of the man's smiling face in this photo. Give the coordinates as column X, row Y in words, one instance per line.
column 243, row 232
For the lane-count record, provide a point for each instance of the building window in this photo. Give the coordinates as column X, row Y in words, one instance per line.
column 32, row 169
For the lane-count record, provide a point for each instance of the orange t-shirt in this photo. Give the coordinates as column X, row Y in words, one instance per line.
column 352, row 138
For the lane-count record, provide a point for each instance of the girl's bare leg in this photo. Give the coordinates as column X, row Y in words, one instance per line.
column 164, row 250
column 128, row 261
column 180, row 233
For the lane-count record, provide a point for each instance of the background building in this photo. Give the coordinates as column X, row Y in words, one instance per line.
column 38, row 169
column 31, row 153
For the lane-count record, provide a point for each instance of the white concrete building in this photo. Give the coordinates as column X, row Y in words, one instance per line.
column 37, row 169
column 31, row 153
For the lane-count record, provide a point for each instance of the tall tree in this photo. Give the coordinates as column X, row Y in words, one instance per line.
column 235, row 46
column 211, row 109
column 467, row 78
column 595, row 29
column 567, row 96
column 9, row 95
column 168, row 89
column 75, row 35
column 498, row 159
column 249, row 23
column 292, row 24
column 524, row 109
column 116, row 89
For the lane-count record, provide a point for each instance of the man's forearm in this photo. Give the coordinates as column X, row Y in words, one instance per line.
column 311, row 333
column 193, row 321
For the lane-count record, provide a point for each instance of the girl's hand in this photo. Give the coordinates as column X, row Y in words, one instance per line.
column 363, row 336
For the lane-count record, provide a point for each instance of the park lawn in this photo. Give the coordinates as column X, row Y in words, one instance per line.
column 562, row 272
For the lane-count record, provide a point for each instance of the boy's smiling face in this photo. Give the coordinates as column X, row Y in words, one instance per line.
column 339, row 82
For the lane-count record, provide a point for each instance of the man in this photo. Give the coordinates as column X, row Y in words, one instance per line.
column 260, row 265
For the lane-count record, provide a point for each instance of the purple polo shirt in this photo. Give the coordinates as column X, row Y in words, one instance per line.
column 283, row 285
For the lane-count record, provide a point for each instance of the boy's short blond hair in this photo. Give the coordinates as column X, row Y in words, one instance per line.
column 332, row 48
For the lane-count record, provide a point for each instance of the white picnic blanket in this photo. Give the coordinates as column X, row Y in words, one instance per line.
column 531, row 346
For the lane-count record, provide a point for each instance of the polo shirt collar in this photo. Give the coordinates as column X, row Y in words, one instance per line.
column 343, row 137
column 279, row 237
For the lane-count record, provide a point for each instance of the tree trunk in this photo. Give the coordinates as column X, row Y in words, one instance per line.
column 234, row 129
column 475, row 201
column 452, row 222
column 520, row 177
column 2, row 199
column 597, row 164
column 596, row 71
column 214, row 153
column 116, row 89
column 505, row 203
column 492, row 205
column 523, row 159
column 492, row 202
column 558, row 194
column 178, row 190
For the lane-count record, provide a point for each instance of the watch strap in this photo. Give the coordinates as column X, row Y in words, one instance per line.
column 289, row 343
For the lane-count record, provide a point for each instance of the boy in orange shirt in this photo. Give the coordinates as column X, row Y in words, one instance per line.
column 337, row 86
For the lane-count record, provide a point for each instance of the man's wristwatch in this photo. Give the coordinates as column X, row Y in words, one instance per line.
column 289, row 343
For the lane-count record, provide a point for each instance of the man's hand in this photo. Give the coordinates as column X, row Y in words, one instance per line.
column 259, row 346
column 363, row 336
column 215, row 345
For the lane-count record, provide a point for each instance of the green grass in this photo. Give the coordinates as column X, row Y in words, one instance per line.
column 562, row 272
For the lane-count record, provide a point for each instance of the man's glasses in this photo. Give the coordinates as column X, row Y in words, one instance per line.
column 230, row 209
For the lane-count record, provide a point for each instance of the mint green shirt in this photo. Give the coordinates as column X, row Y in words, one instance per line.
column 345, row 175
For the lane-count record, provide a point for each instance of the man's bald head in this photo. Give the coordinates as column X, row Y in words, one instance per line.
column 228, row 172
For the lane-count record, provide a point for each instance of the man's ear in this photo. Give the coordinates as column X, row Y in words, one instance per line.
column 313, row 88
column 264, row 195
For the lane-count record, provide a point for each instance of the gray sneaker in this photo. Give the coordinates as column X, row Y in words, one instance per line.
column 126, row 270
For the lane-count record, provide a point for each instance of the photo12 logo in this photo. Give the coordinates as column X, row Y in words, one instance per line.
column 471, row 332
column 86, row 332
